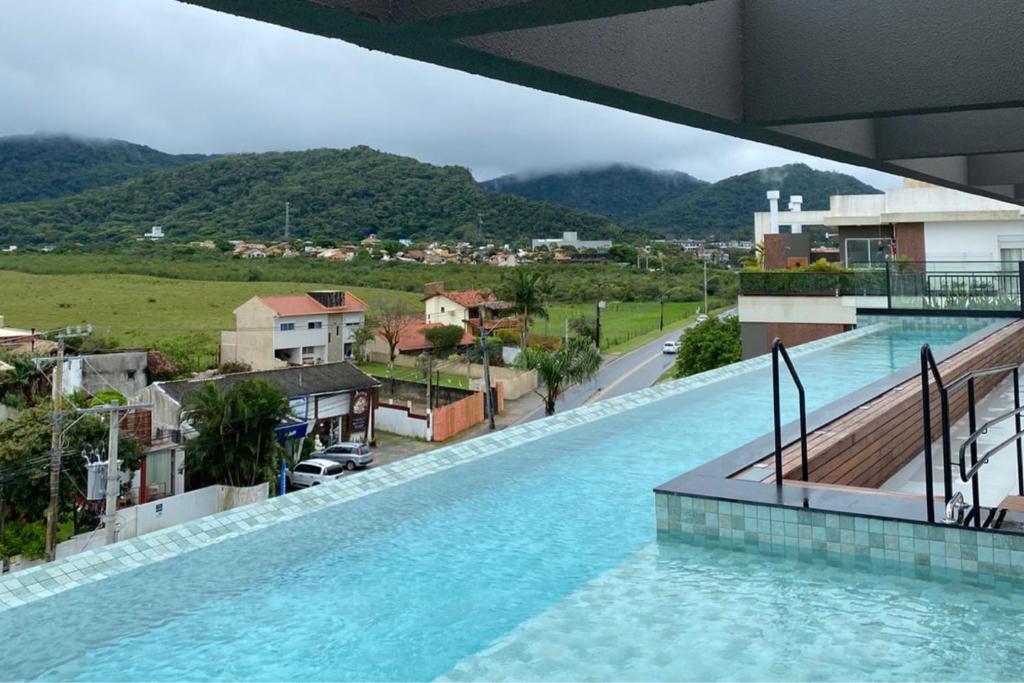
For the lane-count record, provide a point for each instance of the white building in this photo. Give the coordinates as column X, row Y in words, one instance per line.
column 918, row 221
column 277, row 331
column 571, row 239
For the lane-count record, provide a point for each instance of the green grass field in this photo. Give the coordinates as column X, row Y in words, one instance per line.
column 413, row 375
column 185, row 317
column 623, row 324
column 134, row 310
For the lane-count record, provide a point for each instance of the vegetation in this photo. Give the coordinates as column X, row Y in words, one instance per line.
column 24, row 464
column 622, row 193
column 813, row 281
column 445, row 340
column 444, row 379
column 709, row 345
column 574, row 363
column 528, row 291
column 334, row 195
column 45, row 166
column 235, row 442
column 621, row 323
column 391, row 318
column 677, row 204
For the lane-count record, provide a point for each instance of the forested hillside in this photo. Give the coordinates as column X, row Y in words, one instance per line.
column 677, row 204
column 44, row 166
column 333, row 194
column 622, row 193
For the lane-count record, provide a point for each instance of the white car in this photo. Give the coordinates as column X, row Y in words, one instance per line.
column 701, row 318
column 671, row 347
column 351, row 454
column 314, row 472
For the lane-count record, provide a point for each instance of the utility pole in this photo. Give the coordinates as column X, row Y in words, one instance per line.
column 661, row 321
column 705, row 286
column 287, row 219
column 56, row 432
column 488, row 403
column 3, row 513
column 597, row 326
column 114, row 415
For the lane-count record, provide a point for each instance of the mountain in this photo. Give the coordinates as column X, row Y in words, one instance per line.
column 677, row 204
column 620, row 192
column 726, row 208
column 44, row 165
column 333, row 194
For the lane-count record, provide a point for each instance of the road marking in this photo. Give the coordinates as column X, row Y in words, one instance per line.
column 601, row 392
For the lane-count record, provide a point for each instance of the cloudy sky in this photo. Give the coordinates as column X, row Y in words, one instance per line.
column 185, row 79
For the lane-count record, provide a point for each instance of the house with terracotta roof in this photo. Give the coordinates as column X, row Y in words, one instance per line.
column 306, row 329
column 470, row 308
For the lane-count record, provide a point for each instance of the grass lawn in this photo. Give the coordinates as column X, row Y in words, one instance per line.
column 136, row 310
column 413, row 375
column 624, row 325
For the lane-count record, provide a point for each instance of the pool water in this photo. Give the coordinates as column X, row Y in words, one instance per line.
column 543, row 558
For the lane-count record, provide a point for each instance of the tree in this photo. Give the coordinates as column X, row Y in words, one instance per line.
column 391, row 318
column 709, row 345
column 25, row 382
column 528, row 291
column 361, row 338
column 444, row 339
column 574, row 363
column 235, row 442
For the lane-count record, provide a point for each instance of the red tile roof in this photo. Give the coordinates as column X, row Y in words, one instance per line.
column 412, row 339
column 304, row 304
column 467, row 298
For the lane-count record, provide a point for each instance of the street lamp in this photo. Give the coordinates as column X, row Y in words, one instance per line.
column 597, row 327
column 661, row 320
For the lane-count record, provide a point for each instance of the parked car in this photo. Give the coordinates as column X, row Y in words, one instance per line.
column 701, row 318
column 351, row 454
column 314, row 472
column 671, row 347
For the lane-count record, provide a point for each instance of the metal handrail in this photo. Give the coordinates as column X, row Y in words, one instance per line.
column 778, row 348
column 928, row 364
column 965, row 474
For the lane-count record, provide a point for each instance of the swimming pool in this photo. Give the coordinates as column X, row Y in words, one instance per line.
column 543, row 557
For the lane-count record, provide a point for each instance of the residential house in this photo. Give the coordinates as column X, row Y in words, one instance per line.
column 124, row 371
column 333, row 401
column 23, row 341
column 412, row 341
column 471, row 308
column 277, row 331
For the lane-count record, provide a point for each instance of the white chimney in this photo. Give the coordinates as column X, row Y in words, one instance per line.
column 795, row 201
column 773, row 208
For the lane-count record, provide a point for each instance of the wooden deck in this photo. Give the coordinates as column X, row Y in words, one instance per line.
column 868, row 445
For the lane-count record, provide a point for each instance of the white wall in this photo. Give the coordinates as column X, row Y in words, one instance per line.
column 301, row 335
column 970, row 240
column 453, row 313
column 166, row 512
column 397, row 420
column 840, row 310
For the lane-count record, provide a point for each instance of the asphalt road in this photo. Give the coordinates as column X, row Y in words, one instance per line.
column 631, row 371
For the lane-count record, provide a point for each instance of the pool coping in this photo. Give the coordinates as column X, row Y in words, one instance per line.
column 43, row 581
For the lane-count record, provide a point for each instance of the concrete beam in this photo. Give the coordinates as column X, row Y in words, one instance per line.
column 950, row 134
column 807, row 60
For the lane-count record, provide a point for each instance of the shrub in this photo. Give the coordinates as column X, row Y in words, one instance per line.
column 233, row 367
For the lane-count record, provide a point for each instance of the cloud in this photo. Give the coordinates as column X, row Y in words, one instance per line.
column 186, row 79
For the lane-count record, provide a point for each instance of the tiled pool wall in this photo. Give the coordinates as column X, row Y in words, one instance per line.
column 796, row 532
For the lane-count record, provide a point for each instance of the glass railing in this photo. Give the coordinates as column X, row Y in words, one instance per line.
column 955, row 286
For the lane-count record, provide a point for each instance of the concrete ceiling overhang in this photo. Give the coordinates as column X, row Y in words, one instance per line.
column 930, row 89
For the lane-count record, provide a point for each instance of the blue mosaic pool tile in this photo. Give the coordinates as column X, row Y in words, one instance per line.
column 994, row 554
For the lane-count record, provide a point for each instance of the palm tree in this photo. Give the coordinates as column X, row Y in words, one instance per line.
column 575, row 363
column 528, row 292
column 235, row 442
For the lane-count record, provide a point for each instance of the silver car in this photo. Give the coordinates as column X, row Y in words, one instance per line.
column 351, row 454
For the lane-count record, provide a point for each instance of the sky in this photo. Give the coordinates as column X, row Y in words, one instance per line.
column 181, row 78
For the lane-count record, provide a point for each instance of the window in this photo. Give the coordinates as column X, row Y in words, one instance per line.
column 307, row 350
column 287, row 327
column 442, row 309
column 307, row 469
column 333, row 470
column 864, row 252
column 314, row 324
